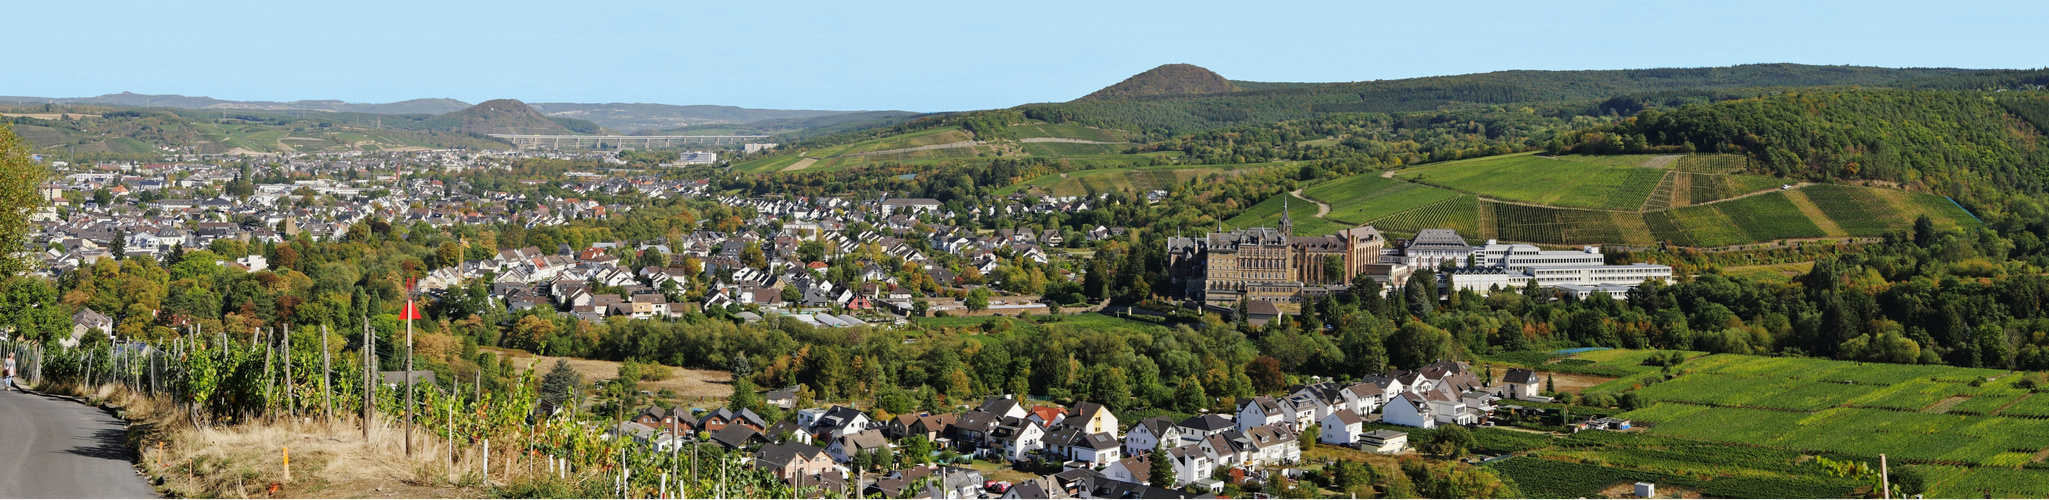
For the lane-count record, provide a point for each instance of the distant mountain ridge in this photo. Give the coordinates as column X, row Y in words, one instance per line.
column 507, row 116
column 406, row 107
column 631, row 117
column 1166, row 80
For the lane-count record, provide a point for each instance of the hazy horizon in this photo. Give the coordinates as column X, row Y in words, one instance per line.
column 933, row 56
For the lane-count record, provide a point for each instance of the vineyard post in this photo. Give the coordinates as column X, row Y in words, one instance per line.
column 326, row 371
column 290, row 409
column 1884, row 478
column 451, row 438
column 487, row 461
column 268, row 353
column 409, row 377
column 369, row 368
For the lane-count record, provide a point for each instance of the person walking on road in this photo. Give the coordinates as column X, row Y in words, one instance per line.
column 8, row 382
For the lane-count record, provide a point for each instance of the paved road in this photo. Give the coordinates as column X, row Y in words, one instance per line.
column 57, row 448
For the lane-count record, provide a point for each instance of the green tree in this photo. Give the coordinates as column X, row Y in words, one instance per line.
column 559, row 385
column 978, row 300
column 1161, row 471
column 1450, row 441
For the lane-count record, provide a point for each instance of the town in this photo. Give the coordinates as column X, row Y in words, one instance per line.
column 833, row 262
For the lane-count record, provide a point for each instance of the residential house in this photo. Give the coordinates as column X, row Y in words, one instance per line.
column 1093, row 418
column 844, row 448
column 1340, row 428
column 1149, row 433
column 793, row 460
column 1409, row 409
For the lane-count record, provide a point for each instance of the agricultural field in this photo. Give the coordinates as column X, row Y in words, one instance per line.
column 1069, row 131
column 1748, row 427
column 1588, row 465
column 1460, row 213
column 1302, row 212
column 1711, row 163
column 1561, row 181
column 1564, row 225
column 902, row 148
column 1364, row 198
column 1975, row 419
column 1138, row 179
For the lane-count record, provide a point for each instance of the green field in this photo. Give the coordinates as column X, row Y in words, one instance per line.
column 1363, row 198
column 1562, row 181
column 1138, row 179
column 1069, row 131
column 1726, row 425
column 1302, row 212
column 1461, row 213
column 1575, row 200
column 889, row 149
column 1912, row 413
column 1711, row 163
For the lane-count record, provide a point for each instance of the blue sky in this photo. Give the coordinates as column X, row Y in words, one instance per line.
column 934, row 56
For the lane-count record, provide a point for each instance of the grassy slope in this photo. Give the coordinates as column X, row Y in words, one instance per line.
column 1743, row 426
column 1594, row 200
column 869, row 151
column 1140, row 179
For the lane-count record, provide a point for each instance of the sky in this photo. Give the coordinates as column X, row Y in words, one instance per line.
column 935, row 56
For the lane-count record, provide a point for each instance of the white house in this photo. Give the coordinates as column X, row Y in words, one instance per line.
column 1340, row 428
column 1148, row 434
column 1263, row 410
column 1521, row 383
column 1409, row 409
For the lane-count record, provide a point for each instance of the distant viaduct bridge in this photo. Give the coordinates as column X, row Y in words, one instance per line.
column 525, row 141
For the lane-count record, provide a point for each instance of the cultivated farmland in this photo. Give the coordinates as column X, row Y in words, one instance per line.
column 1971, row 419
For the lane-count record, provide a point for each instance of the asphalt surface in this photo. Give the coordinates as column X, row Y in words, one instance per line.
column 52, row 447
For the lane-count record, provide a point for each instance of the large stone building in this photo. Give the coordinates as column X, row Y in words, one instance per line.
column 1222, row 269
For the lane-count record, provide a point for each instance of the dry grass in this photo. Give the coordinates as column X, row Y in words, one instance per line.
column 328, row 460
column 710, row 386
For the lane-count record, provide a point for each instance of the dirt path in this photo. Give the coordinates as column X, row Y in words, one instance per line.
column 950, row 145
column 1066, row 140
column 1322, row 208
column 1661, row 161
column 1682, row 189
column 1944, row 405
column 1664, row 185
column 800, row 165
column 2009, row 404
column 1813, row 212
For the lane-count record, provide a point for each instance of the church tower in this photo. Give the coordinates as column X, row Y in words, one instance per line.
column 1287, row 225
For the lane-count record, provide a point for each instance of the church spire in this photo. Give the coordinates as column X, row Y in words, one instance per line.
column 1287, row 225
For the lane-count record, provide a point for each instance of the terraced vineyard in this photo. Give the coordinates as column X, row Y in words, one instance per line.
column 1738, row 426
column 1364, row 198
column 1575, row 200
column 1913, row 413
column 1561, row 225
column 1459, row 213
column 1139, row 179
column 1303, row 212
column 1560, row 181
column 1711, row 164
column 951, row 144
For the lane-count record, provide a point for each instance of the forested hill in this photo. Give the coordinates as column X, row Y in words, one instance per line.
column 1984, row 148
column 1165, row 115
column 1166, row 80
column 508, row 116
